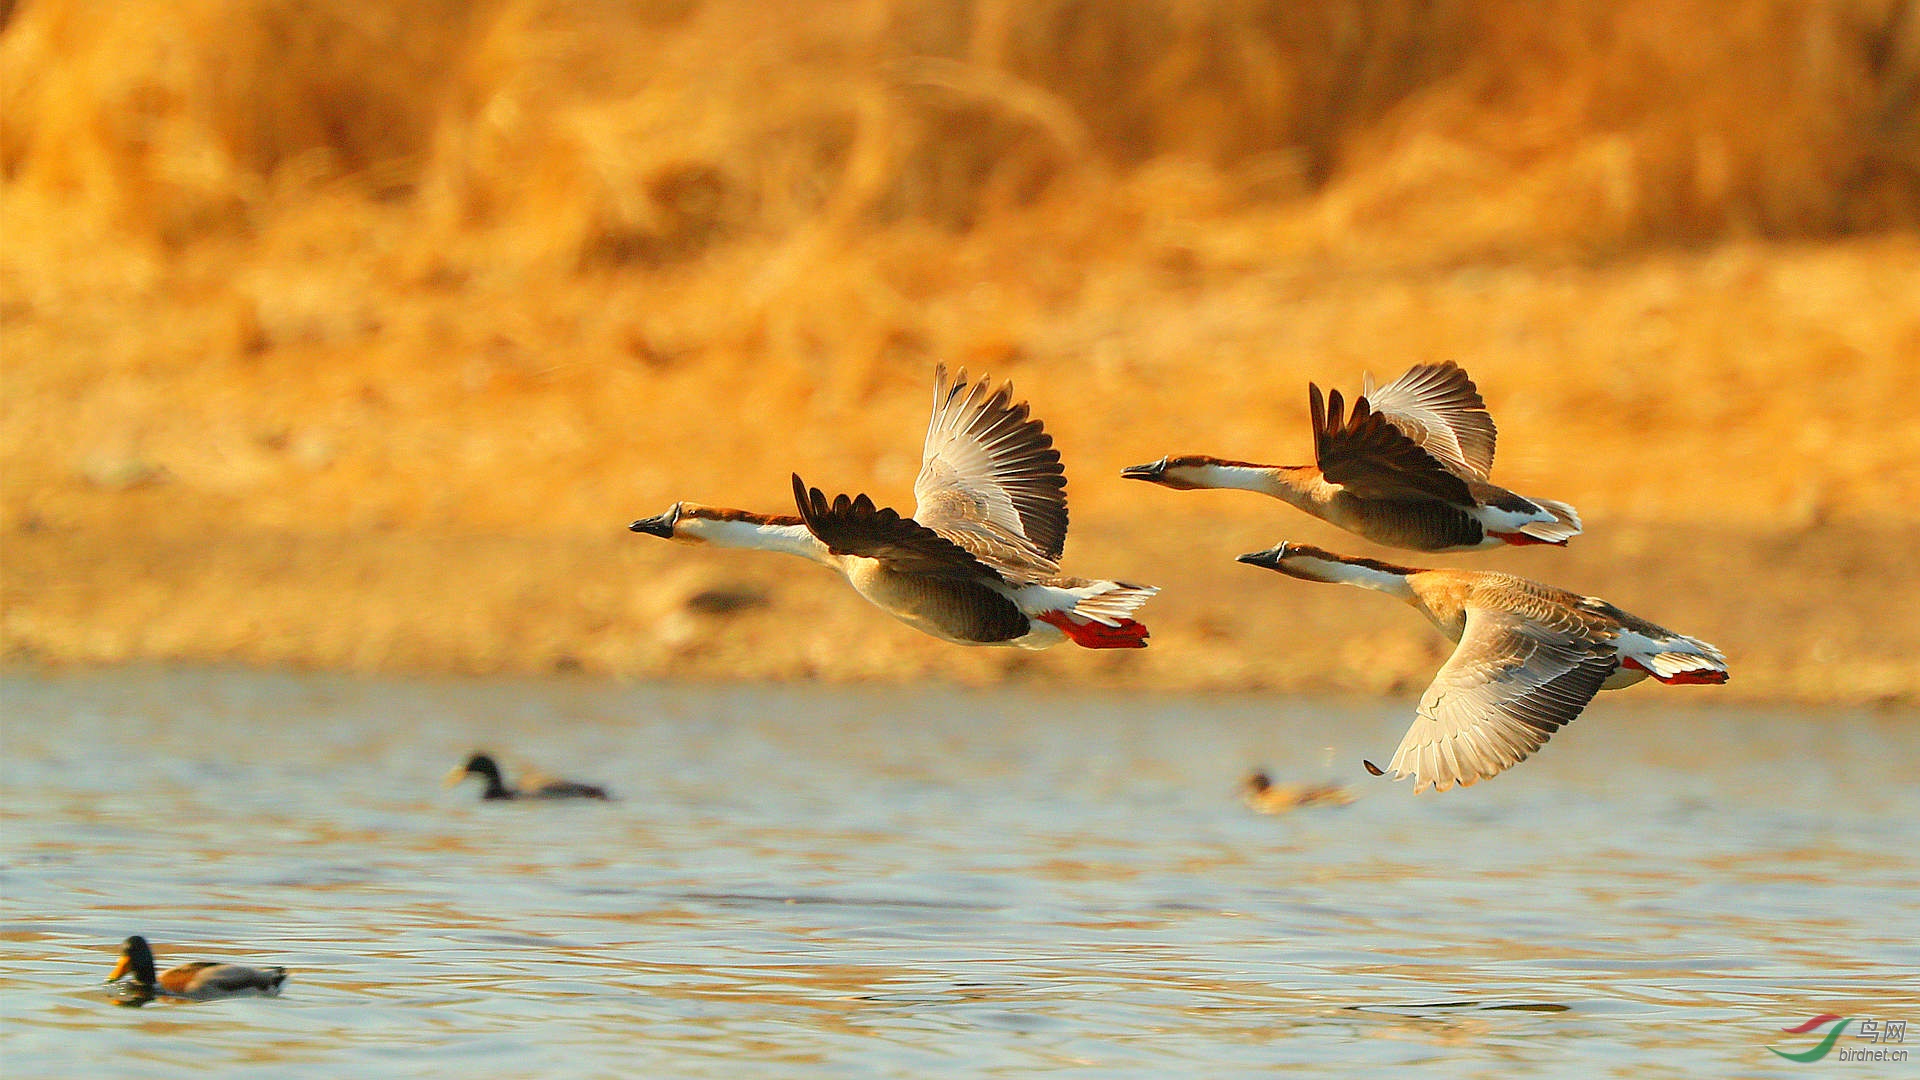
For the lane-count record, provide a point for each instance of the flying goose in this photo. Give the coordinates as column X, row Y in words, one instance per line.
column 1407, row 468
column 1528, row 658
column 978, row 562
column 202, row 979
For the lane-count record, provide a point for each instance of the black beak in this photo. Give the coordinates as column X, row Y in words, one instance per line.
column 660, row 525
column 1145, row 472
column 1270, row 558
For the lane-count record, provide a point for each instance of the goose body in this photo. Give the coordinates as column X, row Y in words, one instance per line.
column 533, row 786
column 1407, row 468
column 977, row 563
column 1528, row 658
column 199, row 980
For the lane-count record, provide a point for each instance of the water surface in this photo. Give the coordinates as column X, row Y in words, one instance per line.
column 933, row 882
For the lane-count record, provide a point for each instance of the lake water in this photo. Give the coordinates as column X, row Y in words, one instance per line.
column 935, row 882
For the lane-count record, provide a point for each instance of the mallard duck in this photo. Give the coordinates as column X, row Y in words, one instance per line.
column 201, row 979
column 977, row 563
column 538, row 787
column 1527, row 659
column 1407, row 468
column 1260, row 793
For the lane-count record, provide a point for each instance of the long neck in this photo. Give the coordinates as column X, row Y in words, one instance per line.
column 787, row 538
column 1289, row 483
column 1364, row 573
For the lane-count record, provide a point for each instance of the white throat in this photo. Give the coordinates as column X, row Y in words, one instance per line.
column 788, row 539
column 1366, row 577
column 1236, row 477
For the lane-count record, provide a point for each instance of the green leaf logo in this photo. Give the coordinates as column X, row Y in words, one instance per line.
column 1824, row 1046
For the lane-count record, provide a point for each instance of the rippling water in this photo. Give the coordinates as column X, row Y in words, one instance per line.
column 935, row 882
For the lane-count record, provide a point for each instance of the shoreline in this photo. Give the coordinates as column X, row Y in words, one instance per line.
column 620, row 607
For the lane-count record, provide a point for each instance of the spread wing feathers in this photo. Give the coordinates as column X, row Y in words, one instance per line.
column 1366, row 453
column 1438, row 407
column 854, row 526
column 990, row 470
column 1508, row 687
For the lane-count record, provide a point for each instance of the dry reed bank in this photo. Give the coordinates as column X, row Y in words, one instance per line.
column 351, row 335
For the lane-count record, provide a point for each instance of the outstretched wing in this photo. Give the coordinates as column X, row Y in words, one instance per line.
column 1439, row 408
column 1508, row 687
column 990, row 471
column 854, row 526
column 1367, row 453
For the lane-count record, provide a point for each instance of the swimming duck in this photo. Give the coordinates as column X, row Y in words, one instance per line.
column 978, row 562
column 1260, row 793
column 1528, row 658
column 201, row 979
column 483, row 766
column 1407, row 468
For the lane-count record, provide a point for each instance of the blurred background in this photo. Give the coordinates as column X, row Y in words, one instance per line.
column 351, row 335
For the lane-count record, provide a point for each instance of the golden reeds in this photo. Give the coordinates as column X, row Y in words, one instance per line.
column 646, row 133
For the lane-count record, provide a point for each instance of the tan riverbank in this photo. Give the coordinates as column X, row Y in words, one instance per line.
column 1735, row 425
column 630, row 607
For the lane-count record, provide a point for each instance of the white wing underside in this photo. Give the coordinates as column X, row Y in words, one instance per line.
column 1507, row 688
column 1437, row 406
column 990, row 479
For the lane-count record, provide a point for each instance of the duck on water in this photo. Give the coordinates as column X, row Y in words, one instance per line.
column 199, row 980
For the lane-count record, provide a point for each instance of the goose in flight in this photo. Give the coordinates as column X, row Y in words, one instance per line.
column 1527, row 659
column 1407, row 468
column 978, row 562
